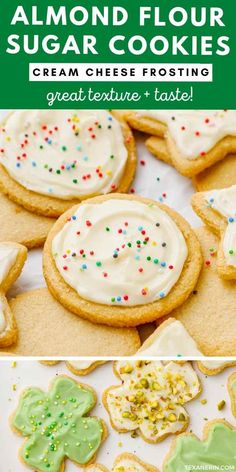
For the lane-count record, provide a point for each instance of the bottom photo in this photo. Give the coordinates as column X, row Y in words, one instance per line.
column 124, row 416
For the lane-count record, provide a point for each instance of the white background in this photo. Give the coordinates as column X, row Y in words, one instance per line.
column 178, row 191
column 31, row 373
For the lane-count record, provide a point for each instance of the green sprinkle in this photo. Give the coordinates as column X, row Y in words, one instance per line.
column 98, row 264
column 75, row 181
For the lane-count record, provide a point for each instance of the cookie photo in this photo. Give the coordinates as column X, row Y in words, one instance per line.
column 214, row 367
column 12, row 260
column 121, row 260
column 21, row 226
column 232, row 392
column 217, row 208
column 150, row 401
column 195, row 139
column 170, row 339
column 209, row 314
column 53, row 159
column 220, row 175
column 124, row 463
column 56, row 425
column 216, row 449
column 46, row 328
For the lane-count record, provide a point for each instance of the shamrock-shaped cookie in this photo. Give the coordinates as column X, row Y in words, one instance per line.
column 12, row 259
column 218, row 448
column 232, row 392
column 56, row 425
column 151, row 398
column 124, row 463
column 217, row 208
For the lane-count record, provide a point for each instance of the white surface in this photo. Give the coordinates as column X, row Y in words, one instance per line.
column 178, row 190
column 31, row 373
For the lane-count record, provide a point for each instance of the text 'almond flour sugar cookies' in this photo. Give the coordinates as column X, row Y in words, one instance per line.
column 195, row 139
column 124, row 463
column 12, row 259
column 52, row 159
column 151, row 399
column 57, row 427
column 216, row 450
column 217, row 208
column 121, row 260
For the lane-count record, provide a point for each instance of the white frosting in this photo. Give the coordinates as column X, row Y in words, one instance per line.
column 166, row 390
column 80, row 365
column 120, row 267
column 195, row 132
column 127, row 465
column 8, row 255
column 2, row 317
column 224, row 202
column 171, row 340
column 50, row 155
column 212, row 365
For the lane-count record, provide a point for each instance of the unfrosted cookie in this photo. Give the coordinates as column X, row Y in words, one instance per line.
column 78, row 367
column 121, row 260
column 46, row 328
column 170, row 339
column 12, row 259
column 214, row 367
column 21, row 226
column 221, row 175
column 217, row 208
column 56, row 425
column 124, row 463
column 195, row 139
column 232, row 392
column 151, row 398
column 209, row 315
column 52, row 159
column 216, row 449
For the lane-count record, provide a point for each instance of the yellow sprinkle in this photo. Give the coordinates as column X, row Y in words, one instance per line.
column 8, row 139
column 154, row 243
column 14, row 387
column 109, row 173
column 120, row 444
column 221, row 405
column 204, row 401
column 13, row 364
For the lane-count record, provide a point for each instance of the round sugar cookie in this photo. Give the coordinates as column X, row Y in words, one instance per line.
column 121, row 260
column 53, row 159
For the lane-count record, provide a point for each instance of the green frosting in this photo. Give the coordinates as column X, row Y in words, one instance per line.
column 55, row 426
column 219, row 450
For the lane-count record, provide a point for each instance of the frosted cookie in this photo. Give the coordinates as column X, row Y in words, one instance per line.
column 56, row 425
column 20, row 226
column 151, row 399
column 12, row 259
column 124, row 463
column 78, row 367
column 170, row 339
column 232, row 392
column 46, row 328
column 213, row 367
column 221, row 175
column 216, row 449
column 195, row 139
column 209, row 314
column 52, row 159
column 217, row 208
column 121, row 260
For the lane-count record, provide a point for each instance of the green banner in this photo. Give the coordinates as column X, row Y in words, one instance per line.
column 118, row 54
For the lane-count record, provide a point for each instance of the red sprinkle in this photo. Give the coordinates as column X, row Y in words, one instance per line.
column 88, row 223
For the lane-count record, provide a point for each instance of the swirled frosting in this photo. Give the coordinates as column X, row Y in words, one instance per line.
column 224, row 202
column 64, row 153
column 195, row 132
column 120, row 252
